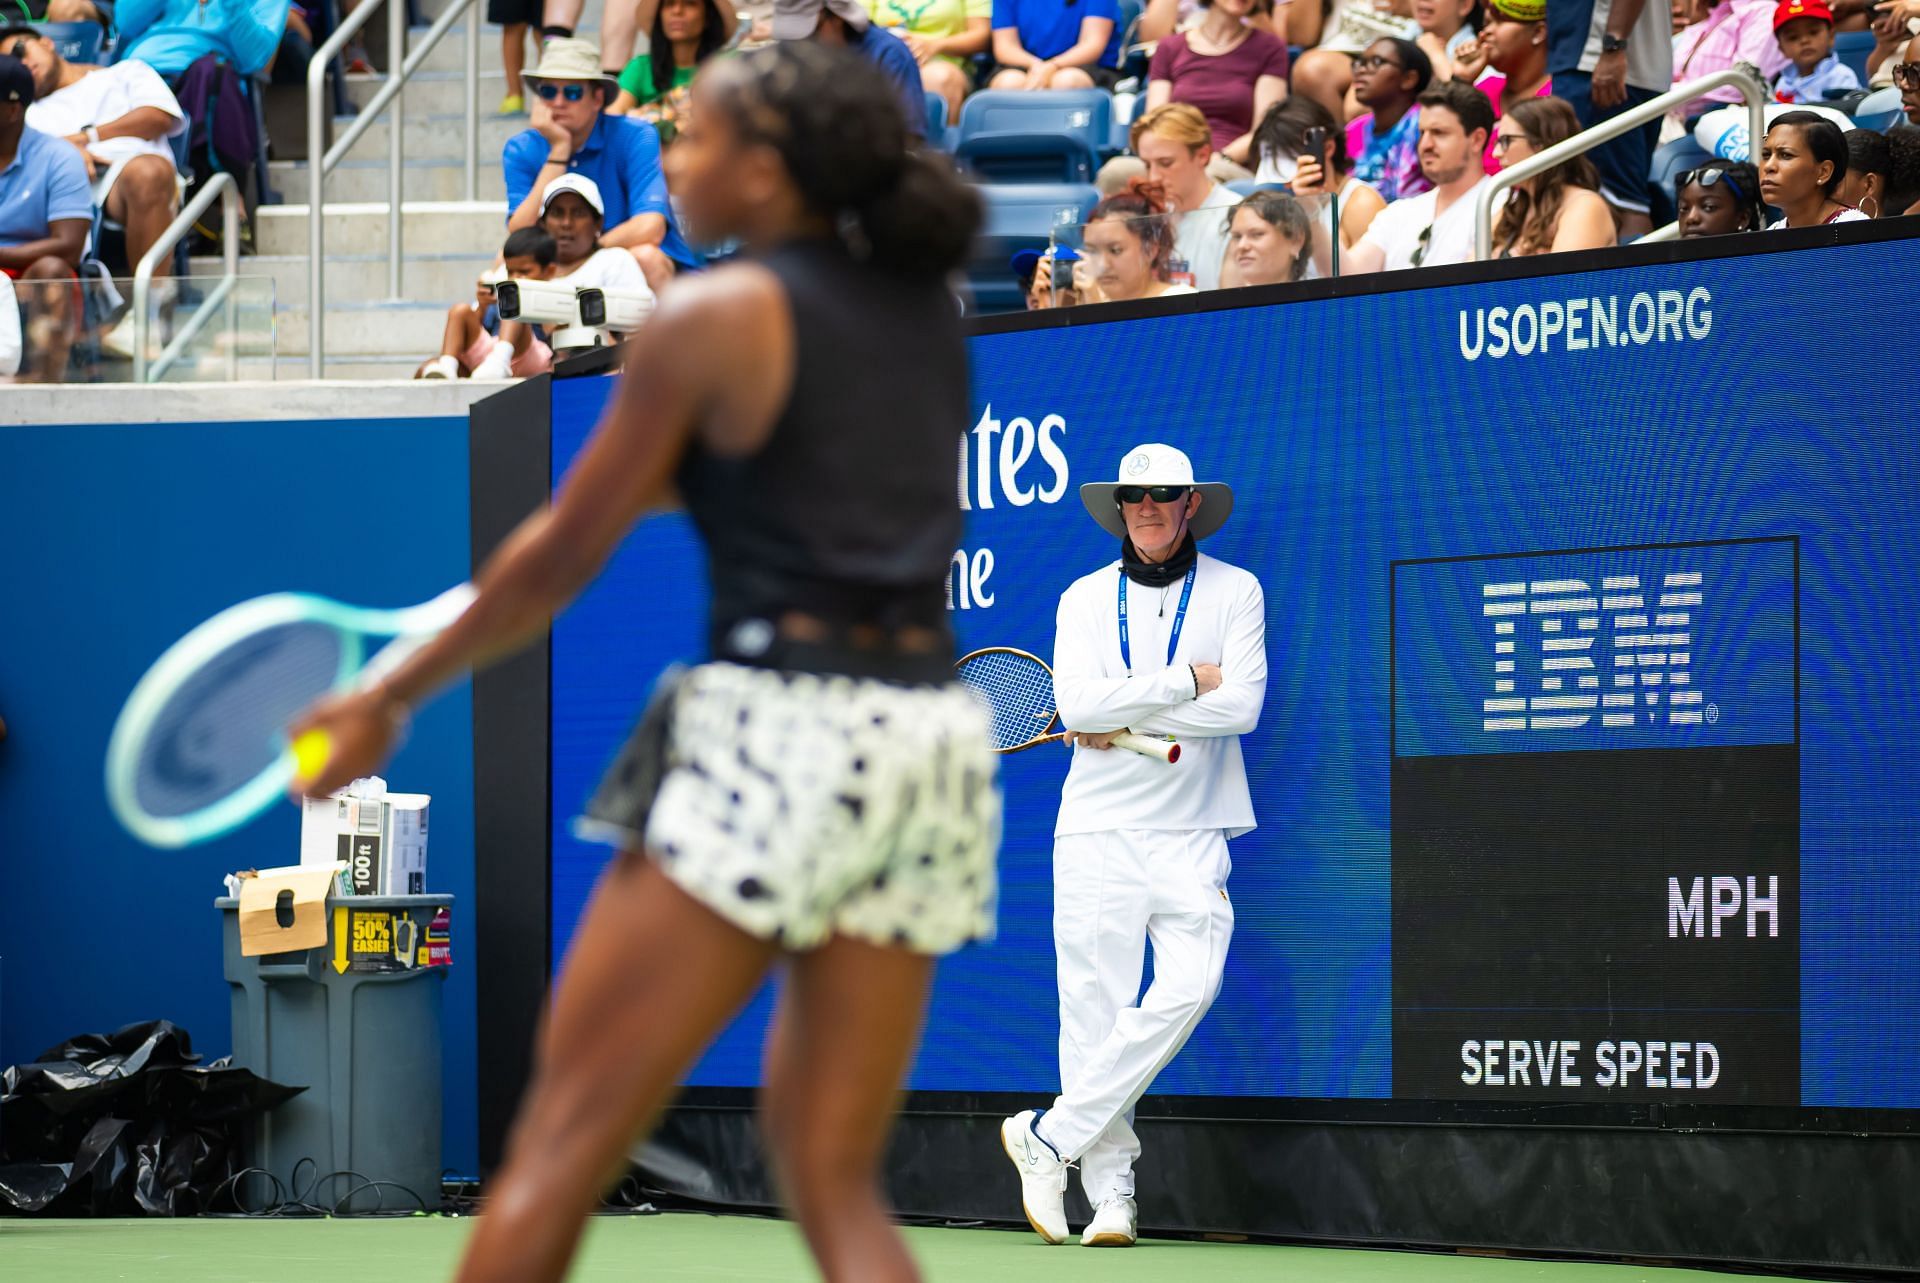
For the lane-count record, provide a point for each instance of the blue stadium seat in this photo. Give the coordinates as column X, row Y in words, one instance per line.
column 1853, row 48
column 1049, row 136
column 936, row 120
column 74, row 41
column 1027, row 158
column 1131, row 63
column 1020, row 216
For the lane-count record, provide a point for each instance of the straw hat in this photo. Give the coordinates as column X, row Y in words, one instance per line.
column 570, row 59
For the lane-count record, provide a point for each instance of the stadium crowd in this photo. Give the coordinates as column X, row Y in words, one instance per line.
column 1267, row 142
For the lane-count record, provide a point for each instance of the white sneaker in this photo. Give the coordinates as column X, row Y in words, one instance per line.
column 1116, row 1223
column 1043, row 1177
column 441, row 367
column 497, row 364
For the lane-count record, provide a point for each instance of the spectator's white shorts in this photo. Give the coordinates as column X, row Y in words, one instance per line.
column 800, row 806
column 111, row 175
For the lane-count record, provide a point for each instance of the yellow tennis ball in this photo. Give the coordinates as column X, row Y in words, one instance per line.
column 311, row 752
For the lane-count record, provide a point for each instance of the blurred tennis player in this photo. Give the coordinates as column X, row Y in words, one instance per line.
column 1164, row 641
column 825, row 795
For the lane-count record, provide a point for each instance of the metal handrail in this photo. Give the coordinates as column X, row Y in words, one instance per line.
column 219, row 187
column 1752, row 92
column 319, row 165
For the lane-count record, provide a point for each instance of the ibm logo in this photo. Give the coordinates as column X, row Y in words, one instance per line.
column 1607, row 653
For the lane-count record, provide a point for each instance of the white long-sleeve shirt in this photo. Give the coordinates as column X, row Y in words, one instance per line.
column 1226, row 625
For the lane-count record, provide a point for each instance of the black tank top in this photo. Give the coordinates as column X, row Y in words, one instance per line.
column 850, row 512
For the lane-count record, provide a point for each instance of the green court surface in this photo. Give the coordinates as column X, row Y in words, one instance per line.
column 663, row 1249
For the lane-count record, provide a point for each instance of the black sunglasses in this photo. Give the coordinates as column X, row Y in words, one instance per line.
column 1425, row 244
column 572, row 93
column 1373, row 62
column 1907, row 75
column 1161, row 494
column 1707, row 177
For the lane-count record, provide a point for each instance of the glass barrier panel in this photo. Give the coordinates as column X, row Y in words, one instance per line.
column 1267, row 238
column 201, row 329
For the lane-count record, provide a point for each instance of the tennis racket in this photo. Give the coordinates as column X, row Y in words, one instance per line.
column 1017, row 689
column 201, row 746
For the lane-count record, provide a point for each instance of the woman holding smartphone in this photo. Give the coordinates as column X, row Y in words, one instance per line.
column 1301, row 149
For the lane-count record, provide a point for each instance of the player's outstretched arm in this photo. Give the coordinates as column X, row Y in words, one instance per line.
column 717, row 357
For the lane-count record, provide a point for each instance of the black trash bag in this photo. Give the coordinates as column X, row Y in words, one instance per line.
column 124, row 1124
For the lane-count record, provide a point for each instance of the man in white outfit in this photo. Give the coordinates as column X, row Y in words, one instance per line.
column 1165, row 642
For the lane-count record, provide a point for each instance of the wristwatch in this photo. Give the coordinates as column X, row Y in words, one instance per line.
column 1610, row 43
column 93, row 134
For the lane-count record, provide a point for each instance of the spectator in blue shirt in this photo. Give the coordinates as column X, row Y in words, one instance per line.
column 170, row 35
column 46, row 210
column 845, row 23
column 572, row 134
column 1055, row 44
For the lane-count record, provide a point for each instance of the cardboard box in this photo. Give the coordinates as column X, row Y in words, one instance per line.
column 282, row 910
column 381, row 837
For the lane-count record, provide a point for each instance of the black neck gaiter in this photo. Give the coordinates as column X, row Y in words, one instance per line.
column 1151, row 574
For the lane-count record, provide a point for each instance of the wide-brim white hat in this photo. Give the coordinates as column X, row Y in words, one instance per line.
column 1157, row 465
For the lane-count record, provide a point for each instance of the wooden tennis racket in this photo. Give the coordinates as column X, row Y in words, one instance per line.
column 1018, row 689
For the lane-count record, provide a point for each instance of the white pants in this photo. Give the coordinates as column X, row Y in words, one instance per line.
column 1112, row 893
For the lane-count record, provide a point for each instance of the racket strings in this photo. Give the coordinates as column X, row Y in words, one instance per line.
column 227, row 722
column 1018, row 691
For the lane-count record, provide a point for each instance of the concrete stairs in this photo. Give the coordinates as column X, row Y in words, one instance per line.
column 447, row 240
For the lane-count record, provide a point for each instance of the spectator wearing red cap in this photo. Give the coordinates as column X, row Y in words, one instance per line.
column 1814, row 73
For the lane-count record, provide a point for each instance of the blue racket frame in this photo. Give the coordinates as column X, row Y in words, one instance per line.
column 414, row 626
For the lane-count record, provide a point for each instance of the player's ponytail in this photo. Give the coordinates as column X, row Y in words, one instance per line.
column 924, row 222
column 839, row 127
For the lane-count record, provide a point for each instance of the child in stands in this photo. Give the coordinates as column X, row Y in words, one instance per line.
column 1814, row 73
column 529, row 255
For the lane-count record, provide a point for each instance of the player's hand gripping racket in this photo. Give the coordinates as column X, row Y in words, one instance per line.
column 1018, row 689
column 201, row 746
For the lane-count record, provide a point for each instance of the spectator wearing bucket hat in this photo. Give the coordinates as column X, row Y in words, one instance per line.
column 571, row 134
column 1164, row 641
column 846, row 24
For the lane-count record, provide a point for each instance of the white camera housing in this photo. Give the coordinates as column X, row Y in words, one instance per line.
column 621, row 311
column 575, row 317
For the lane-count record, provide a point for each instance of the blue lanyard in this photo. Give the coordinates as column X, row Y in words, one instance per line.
column 1179, row 618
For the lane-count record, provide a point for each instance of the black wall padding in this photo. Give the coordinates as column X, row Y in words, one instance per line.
column 1821, row 1202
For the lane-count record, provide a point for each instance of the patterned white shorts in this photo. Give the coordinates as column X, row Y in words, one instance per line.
column 799, row 806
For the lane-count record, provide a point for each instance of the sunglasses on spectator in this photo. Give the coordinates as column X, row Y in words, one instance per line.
column 1503, row 141
column 1707, row 177
column 1161, row 494
column 572, row 92
column 1907, row 75
column 1426, row 243
column 1373, row 62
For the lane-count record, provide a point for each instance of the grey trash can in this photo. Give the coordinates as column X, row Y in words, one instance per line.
column 359, row 1028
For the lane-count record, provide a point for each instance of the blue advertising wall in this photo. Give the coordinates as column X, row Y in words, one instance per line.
column 119, row 538
column 1549, row 419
